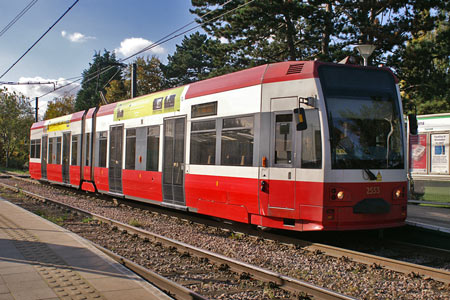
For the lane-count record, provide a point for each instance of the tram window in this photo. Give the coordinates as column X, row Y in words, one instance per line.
column 283, row 139
column 203, row 143
column 169, row 101
column 102, row 142
column 35, row 148
column 152, row 148
column 50, row 150
column 237, row 142
column 74, row 159
column 157, row 103
column 130, row 155
column 38, row 148
column 312, row 142
column 32, row 148
column 58, row 150
column 88, row 147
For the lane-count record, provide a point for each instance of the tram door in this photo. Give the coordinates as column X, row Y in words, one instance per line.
column 65, row 157
column 44, row 156
column 173, row 165
column 282, row 144
column 115, row 159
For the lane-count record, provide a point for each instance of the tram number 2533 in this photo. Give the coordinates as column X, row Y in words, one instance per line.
column 373, row 190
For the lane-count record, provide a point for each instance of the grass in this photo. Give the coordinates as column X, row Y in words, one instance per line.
column 439, row 194
column 87, row 220
column 18, row 171
column 436, row 194
column 236, row 236
column 134, row 222
column 58, row 220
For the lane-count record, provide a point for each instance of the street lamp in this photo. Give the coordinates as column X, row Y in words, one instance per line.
column 365, row 50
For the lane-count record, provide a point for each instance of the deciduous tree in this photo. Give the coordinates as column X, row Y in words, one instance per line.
column 16, row 117
column 424, row 70
column 149, row 79
column 60, row 107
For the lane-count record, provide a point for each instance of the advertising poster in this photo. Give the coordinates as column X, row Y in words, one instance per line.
column 439, row 153
column 418, row 153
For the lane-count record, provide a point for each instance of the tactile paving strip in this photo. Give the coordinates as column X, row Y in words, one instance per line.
column 65, row 282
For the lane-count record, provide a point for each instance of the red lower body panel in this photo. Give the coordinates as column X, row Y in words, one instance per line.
column 75, row 172
column 54, row 172
column 339, row 214
column 88, row 186
column 314, row 206
column 225, row 197
column 142, row 184
column 35, row 170
column 101, row 179
column 87, row 173
column 347, row 220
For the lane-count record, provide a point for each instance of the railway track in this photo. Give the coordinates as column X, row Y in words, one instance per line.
column 373, row 261
column 231, row 272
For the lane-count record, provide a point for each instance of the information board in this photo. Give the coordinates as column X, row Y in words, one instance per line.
column 439, row 153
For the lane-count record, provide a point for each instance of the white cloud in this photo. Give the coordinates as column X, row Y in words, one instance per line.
column 35, row 90
column 132, row 45
column 76, row 37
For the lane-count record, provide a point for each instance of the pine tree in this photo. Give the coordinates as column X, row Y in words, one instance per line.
column 198, row 57
column 101, row 71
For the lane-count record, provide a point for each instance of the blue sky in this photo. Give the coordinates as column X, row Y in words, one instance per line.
column 91, row 25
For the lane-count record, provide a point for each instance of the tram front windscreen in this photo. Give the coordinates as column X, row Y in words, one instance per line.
column 364, row 118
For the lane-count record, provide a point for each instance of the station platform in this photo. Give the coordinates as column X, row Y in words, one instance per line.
column 40, row 260
column 434, row 218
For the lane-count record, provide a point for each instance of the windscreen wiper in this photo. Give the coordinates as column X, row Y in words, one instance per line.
column 370, row 174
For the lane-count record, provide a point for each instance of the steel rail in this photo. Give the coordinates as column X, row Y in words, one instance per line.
column 284, row 282
column 368, row 259
column 365, row 258
column 174, row 289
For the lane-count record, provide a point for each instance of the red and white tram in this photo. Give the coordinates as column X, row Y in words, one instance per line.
column 236, row 147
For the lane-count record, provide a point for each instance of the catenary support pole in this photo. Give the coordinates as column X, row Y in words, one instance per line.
column 37, row 109
column 133, row 81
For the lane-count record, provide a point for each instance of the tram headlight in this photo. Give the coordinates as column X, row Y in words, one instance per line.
column 337, row 194
column 398, row 193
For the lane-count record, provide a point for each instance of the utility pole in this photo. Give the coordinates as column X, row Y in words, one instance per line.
column 37, row 109
column 133, row 80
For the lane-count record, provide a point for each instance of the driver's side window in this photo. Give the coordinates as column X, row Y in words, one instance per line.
column 312, row 142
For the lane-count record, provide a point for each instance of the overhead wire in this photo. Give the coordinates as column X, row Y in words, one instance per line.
column 181, row 28
column 40, row 38
column 161, row 41
column 16, row 18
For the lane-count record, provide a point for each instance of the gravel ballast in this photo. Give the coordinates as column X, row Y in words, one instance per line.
column 338, row 274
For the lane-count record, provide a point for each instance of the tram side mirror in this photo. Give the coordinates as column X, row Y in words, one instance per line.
column 412, row 118
column 300, row 119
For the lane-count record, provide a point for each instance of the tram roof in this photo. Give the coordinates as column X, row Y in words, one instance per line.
column 268, row 73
